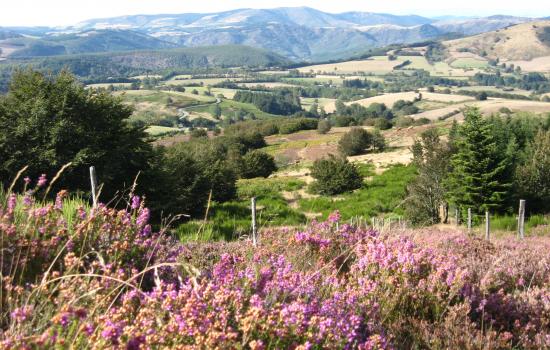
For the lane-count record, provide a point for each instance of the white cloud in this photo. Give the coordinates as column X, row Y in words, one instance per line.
column 65, row 12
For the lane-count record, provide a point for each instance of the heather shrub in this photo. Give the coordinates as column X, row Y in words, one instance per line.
column 107, row 281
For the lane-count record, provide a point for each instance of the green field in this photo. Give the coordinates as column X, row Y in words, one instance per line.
column 229, row 220
column 381, row 195
column 469, row 63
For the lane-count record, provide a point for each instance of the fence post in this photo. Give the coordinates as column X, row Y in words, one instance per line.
column 93, row 180
column 457, row 218
column 469, row 220
column 521, row 219
column 487, row 225
column 254, row 228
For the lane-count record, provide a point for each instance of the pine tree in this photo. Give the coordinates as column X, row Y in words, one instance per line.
column 479, row 179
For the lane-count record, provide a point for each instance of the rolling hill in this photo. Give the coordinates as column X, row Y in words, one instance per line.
column 299, row 33
column 526, row 45
column 104, row 66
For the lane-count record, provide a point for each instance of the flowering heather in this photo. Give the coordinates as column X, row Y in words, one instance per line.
column 104, row 279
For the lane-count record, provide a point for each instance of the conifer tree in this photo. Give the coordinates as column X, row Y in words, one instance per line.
column 479, row 179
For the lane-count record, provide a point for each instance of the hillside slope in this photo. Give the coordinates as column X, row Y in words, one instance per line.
column 100, row 67
column 522, row 42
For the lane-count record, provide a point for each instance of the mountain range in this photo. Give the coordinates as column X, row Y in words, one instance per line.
column 299, row 34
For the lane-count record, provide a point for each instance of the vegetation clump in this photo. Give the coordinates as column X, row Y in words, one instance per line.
column 335, row 175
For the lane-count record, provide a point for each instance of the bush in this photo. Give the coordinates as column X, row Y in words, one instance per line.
column 354, row 142
column 335, row 176
column 323, row 126
column 382, row 124
column 198, row 133
column 257, row 164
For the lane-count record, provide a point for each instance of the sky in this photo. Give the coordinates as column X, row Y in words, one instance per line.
column 68, row 12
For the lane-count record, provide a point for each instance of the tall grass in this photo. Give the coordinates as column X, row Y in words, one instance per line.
column 231, row 220
column 383, row 194
column 510, row 223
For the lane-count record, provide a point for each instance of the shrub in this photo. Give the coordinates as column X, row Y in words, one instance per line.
column 382, row 123
column 198, row 133
column 324, row 126
column 358, row 140
column 257, row 164
column 354, row 142
column 335, row 175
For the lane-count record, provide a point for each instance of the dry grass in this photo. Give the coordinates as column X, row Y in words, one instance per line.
column 518, row 42
column 377, row 65
column 488, row 107
column 539, row 64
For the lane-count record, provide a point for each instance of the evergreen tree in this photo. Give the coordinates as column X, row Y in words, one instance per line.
column 478, row 180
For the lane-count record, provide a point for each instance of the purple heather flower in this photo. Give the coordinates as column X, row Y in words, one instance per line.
column 12, row 201
column 143, row 217
column 334, row 217
column 27, row 180
column 42, row 180
column 135, row 202
column 20, row 314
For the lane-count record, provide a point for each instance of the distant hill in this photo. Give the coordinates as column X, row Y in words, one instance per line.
column 299, row 33
column 88, row 41
column 103, row 66
column 522, row 42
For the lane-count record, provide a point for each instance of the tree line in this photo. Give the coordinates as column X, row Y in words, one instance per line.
column 47, row 121
column 486, row 164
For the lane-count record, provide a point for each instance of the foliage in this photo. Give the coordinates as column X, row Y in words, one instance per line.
column 533, row 176
column 426, row 193
column 257, row 164
column 231, row 220
column 323, row 126
column 480, row 177
column 358, row 140
column 281, row 102
column 383, row 194
column 335, row 175
column 48, row 121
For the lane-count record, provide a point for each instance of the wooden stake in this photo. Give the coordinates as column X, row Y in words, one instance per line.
column 254, row 228
column 93, row 180
column 469, row 220
column 521, row 219
column 487, row 225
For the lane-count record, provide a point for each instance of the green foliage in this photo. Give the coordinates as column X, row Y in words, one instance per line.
column 49, row 121
column 358, row 140
column 257, row 164
column 271, row 126
column 480, row 177
column 383, row 194
column 229, row 220
column 280, row 102
column 426, row 193
column 335, row 175
column 323, row 126
column 198, row 133
column 533, row 176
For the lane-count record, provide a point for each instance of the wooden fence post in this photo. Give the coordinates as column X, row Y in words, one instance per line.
column 93, row 180
column 521, row 219
column 487, row 225
column 469, row 220
column 254, row 227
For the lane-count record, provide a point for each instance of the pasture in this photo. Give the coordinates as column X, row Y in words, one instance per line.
column 375, row 65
